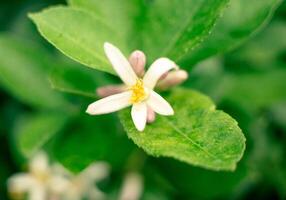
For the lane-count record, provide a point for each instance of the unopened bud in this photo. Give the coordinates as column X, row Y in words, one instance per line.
column 108, row 90
column 172, row 79
column 151, row 115
column 137, row 60
column 164, row 76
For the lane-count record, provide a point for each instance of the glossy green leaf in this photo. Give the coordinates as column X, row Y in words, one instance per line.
column 78, row 34
column 238, row 24
column 32, row 132
column 197, row 133
column 173, row 28
column 153, row 26
column 118, row 14
column 23, row 72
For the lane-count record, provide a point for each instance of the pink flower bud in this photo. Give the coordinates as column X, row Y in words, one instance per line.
column 172, row 79
column 109, row 90
column 137, row 60
column 151, row 115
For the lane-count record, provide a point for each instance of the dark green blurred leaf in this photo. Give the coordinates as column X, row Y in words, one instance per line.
column 268, row 156
column 75, row 79
column 256, row 90
column 240, row 21
column 278, row 115
column 197, row 133
column 89, row 139
column 255, row 55
column 204, row 184
column 23, row 72
column 32, row 132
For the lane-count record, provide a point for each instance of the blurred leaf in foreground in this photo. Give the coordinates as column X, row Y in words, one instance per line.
column 32, row 132
column 88, row 139
column 23, row 72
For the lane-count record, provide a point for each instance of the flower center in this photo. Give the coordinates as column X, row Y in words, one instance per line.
column 138, row 92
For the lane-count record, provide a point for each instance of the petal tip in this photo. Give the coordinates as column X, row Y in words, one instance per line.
column 172, row 112
column 107, row 46
column 89, row 110
column 140, row 129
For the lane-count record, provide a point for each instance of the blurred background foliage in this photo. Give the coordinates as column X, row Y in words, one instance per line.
column 248, row 82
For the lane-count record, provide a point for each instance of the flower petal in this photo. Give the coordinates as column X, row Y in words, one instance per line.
column 132, row 187
column 110, row 104
column 139, row 115
column 159, row 104
column 120, row 64
column 96, row 171
column 21, row 183
column 156, row 70
column 39, row 163
column 58, row 183
column 38, row 192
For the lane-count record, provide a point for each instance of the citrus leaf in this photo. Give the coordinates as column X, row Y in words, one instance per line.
column 197, row 133
column 174, row 28
column 238, row 23
column 78, row 34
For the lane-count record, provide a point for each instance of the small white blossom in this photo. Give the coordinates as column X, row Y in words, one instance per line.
column 132, row 187
column 138, row 92
column 54, row 182
column 39, row 183
column 83, row 185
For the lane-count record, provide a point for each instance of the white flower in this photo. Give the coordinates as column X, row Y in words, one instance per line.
column 82, row 185
column 40, row 183
column 139, row 92
column 132, row 188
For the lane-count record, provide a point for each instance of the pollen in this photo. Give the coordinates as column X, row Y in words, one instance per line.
column 138, row 92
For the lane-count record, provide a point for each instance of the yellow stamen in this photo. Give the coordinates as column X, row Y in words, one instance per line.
column 138, row 92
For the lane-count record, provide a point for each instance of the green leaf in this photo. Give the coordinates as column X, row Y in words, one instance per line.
column 174, row 28
column 255, row 90
column 75, row 79
column 241, row 20
column 78, row 34
column 257, row 56
column 89, row 139
column 23, row 69
column 32, row 132
column 124, row 11
column 205, row 184
column 197, row 133
column 158, row 27
column 278, row 115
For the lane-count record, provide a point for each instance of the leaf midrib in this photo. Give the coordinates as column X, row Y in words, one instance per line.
column 177, row 129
